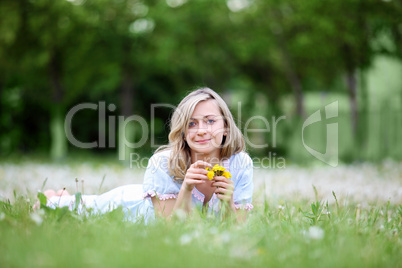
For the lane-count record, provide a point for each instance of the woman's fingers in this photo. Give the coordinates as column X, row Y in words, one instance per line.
column 225, row 188
column 201, row 164
column 192, row 182
column 221, row 181
column 196, row 176
column 223, row 185
column 221, row 190
column 197, row 171
column 223, row 197
column 224, row 194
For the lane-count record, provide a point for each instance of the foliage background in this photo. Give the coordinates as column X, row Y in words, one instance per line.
column 275, row 57
column 266, row 58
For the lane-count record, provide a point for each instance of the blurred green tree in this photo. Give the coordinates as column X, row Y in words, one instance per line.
column 55, row 54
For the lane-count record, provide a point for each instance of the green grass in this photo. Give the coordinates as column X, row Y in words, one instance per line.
column 294, row 234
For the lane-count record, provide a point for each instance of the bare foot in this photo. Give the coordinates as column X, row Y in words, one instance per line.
column 62, row 192
column 49, row 193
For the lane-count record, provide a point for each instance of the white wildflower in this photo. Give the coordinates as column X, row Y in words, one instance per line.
column 196, row 234
column 167, row 241
column 243, row 250
column 185, row 239
column 36, row 218
column 213, row 230
column 225, row 237
column 315, row 232
column 41, row 212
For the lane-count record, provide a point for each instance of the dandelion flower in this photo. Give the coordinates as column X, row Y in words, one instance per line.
column 227, row 174
column 217, row 170
column 210, row 175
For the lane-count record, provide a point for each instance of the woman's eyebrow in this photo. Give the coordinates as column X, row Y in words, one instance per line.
column 205, row 116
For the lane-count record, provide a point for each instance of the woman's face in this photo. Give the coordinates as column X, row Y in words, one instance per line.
column 206, row 129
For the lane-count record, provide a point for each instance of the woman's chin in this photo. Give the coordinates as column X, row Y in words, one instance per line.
column 206, row 151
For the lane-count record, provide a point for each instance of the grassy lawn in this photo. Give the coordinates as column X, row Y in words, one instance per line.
column 295, row 225
column 295, row 234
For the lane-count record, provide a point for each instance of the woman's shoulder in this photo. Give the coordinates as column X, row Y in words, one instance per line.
column 159, row 157
column 165, row 153
column 241, row 159
column 158, row 161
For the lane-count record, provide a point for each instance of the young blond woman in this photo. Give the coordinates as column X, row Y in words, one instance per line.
column 203, row 134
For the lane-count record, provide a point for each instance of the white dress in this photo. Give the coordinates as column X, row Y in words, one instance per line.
column 135, row 199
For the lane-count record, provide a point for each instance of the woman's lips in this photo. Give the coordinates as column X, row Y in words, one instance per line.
column 203, row 141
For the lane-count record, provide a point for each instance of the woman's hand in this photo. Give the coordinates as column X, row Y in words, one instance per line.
column 225, row 188
column 196, row 174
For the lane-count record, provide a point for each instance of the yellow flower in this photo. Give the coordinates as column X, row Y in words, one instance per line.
column 227, row 174
column 210, row 175
column 217, row 170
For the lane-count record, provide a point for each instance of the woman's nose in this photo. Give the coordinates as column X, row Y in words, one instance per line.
column 202, row 129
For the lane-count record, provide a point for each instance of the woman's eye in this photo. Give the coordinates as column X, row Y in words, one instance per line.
column 191, row 124
column 210, row 121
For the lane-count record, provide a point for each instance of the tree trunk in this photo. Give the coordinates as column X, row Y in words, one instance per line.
column 58, row 145
column 351, row 83
column 1, row 93
column 1, row 101
column 273, row 97
column 127, row 93
column 296, row 87
column 352, row 88
column 126, row 129
column 363, row 127
column 289, row 69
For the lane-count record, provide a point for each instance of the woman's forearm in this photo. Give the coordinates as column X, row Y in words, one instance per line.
column 183, row 200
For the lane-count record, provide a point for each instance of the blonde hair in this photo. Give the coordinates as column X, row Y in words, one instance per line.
column 180, row 157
